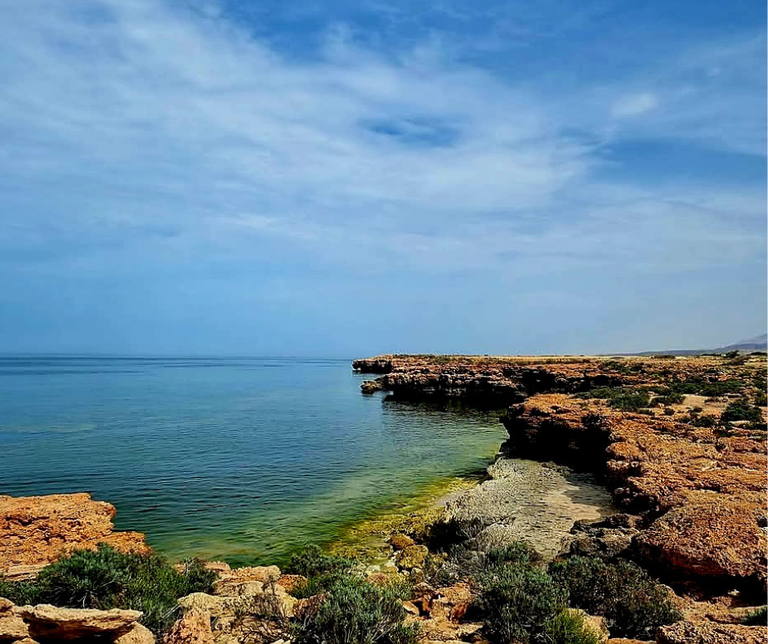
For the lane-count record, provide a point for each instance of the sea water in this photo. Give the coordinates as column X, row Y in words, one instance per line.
column 239, row 459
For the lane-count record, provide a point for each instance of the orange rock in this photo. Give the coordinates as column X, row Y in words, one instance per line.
column 193, row 628
column 704, row 633
column 36, row 530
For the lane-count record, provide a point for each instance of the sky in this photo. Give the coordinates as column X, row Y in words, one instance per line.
column 354, row 177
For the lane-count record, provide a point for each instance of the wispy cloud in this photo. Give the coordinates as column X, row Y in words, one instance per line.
column 143, row 129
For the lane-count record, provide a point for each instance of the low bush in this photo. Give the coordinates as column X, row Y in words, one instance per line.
column 313, row 561
column 106, row 578
column 625, row 399
column 673, row 398
column 703, row 387
column 757, row 617
column 321, row 570
column 569, row 627
column 518, row 603
column 741, row 410
column 633, row 604
column 357, row 612
column 700, row 421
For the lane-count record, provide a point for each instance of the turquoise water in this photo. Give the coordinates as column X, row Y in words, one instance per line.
column 241, row 459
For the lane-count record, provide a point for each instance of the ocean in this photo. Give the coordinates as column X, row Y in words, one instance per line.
column 236, row 459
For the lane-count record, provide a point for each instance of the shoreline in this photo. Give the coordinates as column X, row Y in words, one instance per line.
column 594, row 470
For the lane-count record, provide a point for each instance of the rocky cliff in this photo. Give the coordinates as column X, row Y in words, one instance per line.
column 481, row 380
column 692, row 479
column 36, row 530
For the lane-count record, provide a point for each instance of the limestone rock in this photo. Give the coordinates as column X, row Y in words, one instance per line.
column 194, row 627
column 12, row 627
column 47, row 622
column 36, row 530
column 137, row 635
column 708, row 633
column 713, row 538
column 264, row 574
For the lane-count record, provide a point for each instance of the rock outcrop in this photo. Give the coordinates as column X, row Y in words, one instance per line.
column 36, row 530
column 704, row 633
column 249, row 605
column 50, row 625
column 482, row 380
column 695, row 485
column 701, row 496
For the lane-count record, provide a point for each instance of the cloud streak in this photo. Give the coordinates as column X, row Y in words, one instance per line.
column 141, row 130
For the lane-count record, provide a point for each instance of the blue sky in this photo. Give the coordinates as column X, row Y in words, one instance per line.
column 353, row 177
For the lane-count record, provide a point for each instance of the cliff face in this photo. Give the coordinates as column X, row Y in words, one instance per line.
column 702, row 496
column 481, row 380
column 694, row 480
column 36, row 530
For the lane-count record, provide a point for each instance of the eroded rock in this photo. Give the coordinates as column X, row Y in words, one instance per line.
column 36, row 530
column 194, row 627
column 708, row 633
column 46, row 622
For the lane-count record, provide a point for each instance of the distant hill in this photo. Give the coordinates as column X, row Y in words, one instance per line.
column 758, row 343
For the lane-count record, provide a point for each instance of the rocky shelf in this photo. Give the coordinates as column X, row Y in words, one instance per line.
column 691, row 487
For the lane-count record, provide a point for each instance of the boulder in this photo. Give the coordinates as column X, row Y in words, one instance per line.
column 194, row 627
column 138, row 634
column 12, row 627
column 36, row 530
column 47, row 622
column 451, row 602
column 712, row 538
column 264, row 574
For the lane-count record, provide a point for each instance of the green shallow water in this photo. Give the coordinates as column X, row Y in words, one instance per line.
column 242, row 459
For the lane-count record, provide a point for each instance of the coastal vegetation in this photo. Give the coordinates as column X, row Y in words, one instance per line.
column 355, row 611
column 105, row 578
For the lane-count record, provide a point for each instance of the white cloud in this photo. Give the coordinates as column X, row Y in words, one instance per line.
column 134, row 124
column 634, row 105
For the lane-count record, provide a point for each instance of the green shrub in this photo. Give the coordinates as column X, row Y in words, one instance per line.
column 700, row 421
column 357, row 612
column 761, row 400
column 633, row 604
column 312, row 561
column 757, row 617
column 703, row 387
column 517, row 603
column 516, row 554
column 569, row 628
column 106, row 578
column 626, row 399
column 673, row 398
column 20, row 593
column 741, row 410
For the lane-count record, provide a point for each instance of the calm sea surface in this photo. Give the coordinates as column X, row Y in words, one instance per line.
column 241, row 459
